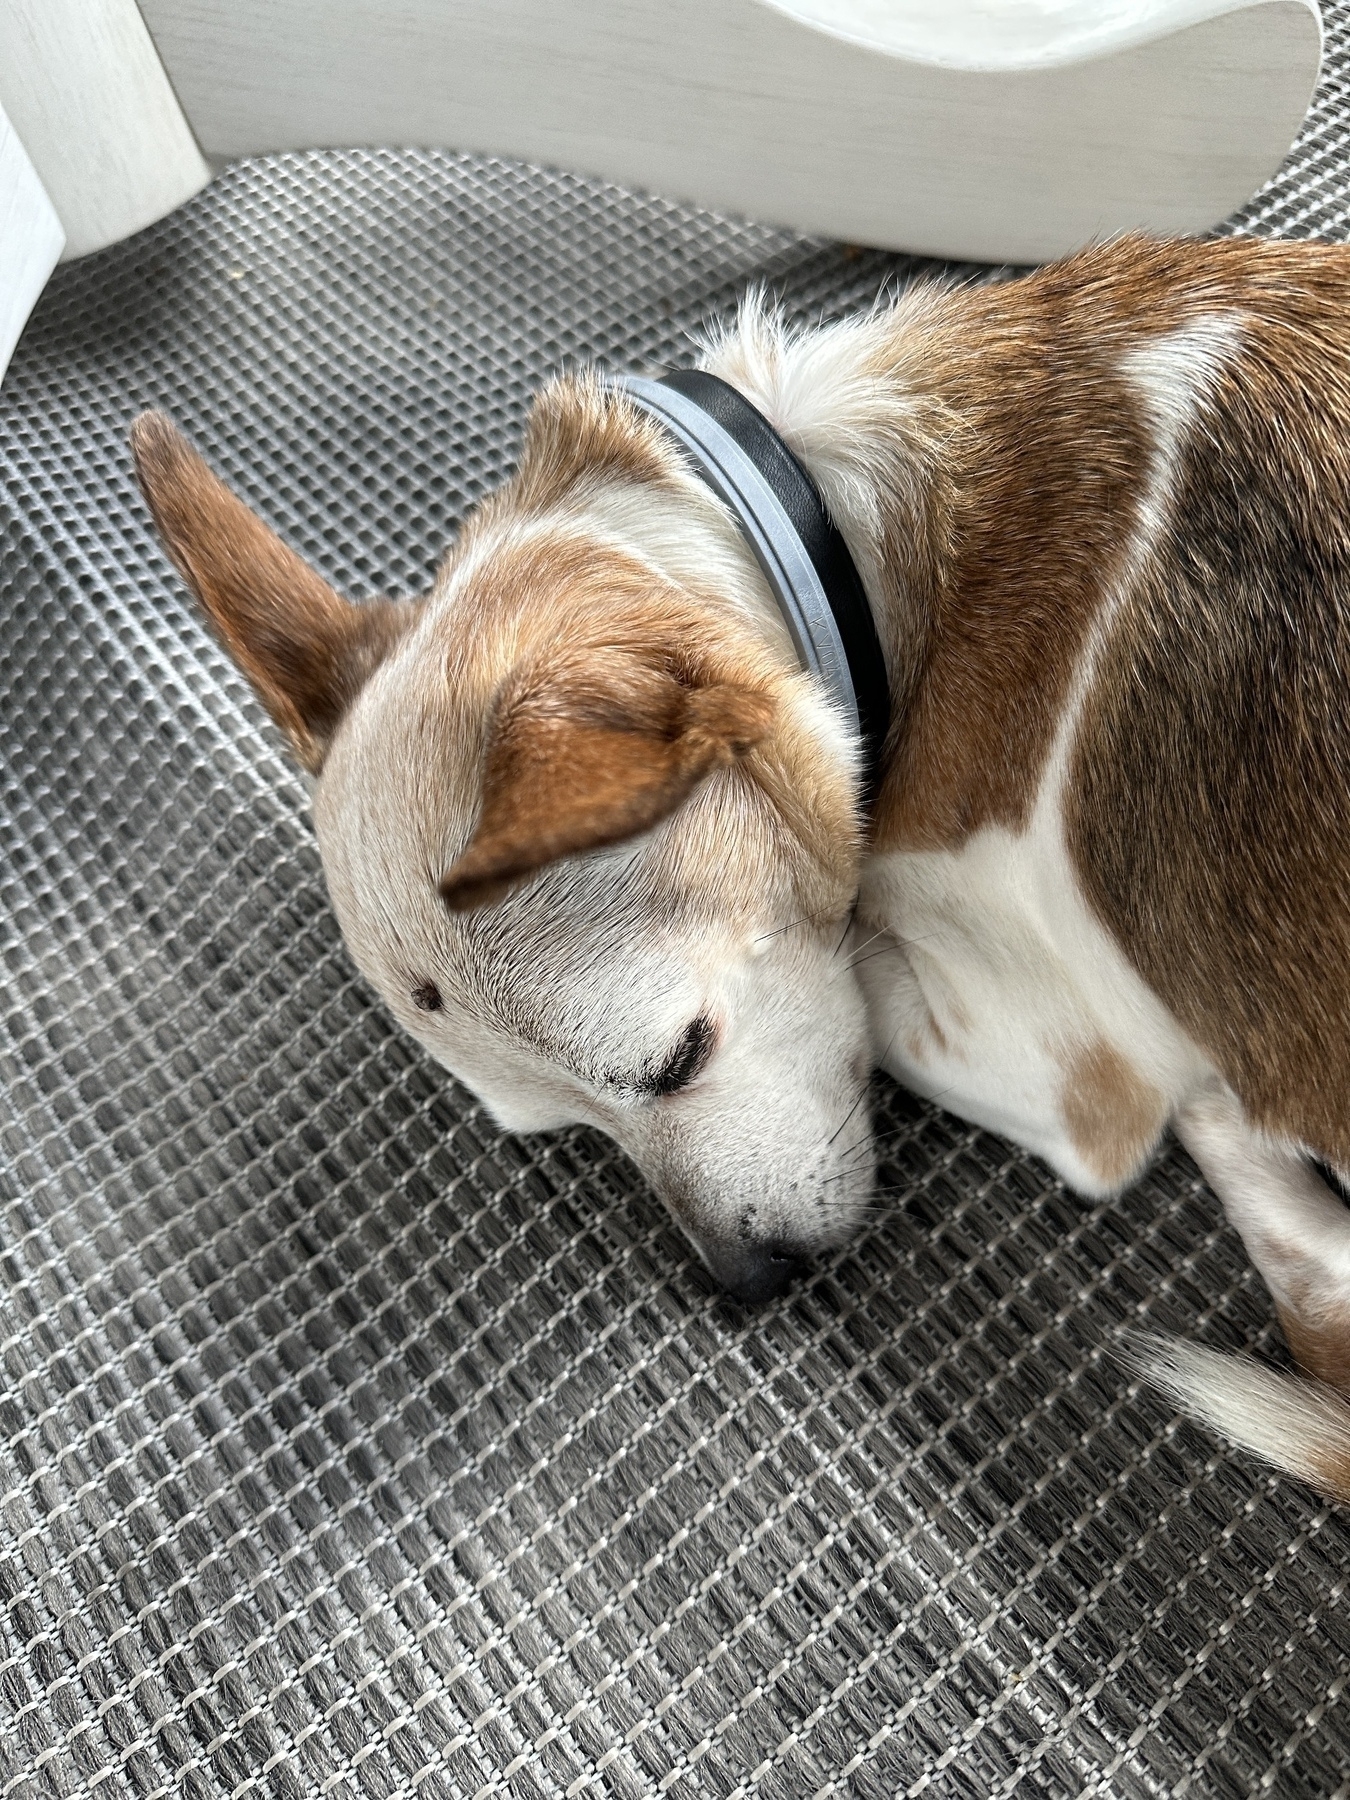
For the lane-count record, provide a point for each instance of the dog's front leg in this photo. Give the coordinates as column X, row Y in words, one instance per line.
column 1296, row 1230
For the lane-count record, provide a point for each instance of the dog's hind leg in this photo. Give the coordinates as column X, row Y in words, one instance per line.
column 1297, row 1233
column 1296, row 1229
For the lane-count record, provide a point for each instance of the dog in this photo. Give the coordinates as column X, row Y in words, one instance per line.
column 612, row 854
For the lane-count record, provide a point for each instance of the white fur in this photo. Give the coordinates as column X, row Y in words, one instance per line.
column 1291, row 1423
column 840, row 402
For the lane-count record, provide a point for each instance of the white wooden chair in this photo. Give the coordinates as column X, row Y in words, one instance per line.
column 1002, row 130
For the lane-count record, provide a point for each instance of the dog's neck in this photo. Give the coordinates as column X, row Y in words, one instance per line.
column 865, row 439
column 874, row 439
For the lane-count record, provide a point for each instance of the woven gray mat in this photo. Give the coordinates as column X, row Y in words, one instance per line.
column 349, row 1447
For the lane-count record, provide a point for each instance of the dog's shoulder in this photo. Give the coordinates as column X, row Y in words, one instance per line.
column 1072, row 389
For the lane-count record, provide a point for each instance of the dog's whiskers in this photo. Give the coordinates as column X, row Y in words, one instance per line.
column 851, row 1158
column 848, row 1115
column 858, row 948
column 898, row 944
column 848, row 926
column 862, row 1091
column 764, row 936
column 885, row 950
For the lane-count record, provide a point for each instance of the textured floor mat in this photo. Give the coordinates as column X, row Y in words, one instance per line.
column 348, row 1447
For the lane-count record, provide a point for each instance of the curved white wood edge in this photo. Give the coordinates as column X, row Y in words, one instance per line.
column 88, row 96
column 31, row 238
column 1004, row 35
column 1071, row 120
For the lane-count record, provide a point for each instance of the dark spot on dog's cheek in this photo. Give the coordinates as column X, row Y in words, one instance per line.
column 426, row 997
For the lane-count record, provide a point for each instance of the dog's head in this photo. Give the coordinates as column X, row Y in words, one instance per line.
column 586, row 827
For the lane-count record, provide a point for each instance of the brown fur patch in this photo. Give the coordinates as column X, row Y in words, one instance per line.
column 1208, row 808
column 1320, row 1345
column 1112, row 1114
column 307, row 652
column 1027, row 518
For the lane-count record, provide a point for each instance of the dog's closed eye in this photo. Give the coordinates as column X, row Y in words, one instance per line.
column 426, row 997
column 688, row 1060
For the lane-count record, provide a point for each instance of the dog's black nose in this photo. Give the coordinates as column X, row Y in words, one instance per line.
column 753, row 1273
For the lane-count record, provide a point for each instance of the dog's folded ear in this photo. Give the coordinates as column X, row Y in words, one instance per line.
column 590, row 754
column 306, row 651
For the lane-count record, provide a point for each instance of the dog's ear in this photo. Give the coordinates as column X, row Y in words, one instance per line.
column 307, row 651
column 588, row 755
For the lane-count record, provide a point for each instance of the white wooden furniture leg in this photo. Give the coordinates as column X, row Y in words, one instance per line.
column 88, row 97
column 31, row 238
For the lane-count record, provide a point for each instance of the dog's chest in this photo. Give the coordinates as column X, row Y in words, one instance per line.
column 994, row 990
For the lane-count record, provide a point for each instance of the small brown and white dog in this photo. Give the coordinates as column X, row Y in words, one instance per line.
column 596, row 838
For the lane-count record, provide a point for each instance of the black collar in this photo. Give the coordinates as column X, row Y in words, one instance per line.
column 784, row 521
